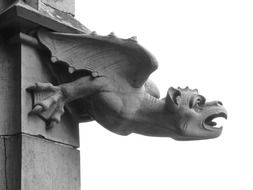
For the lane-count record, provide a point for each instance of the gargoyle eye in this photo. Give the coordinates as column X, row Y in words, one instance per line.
column 197, row 101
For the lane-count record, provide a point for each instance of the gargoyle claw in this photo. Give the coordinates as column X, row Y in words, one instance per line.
column 48, row 102
column 37, row 109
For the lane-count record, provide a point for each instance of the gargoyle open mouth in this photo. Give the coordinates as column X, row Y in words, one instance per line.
column 210, row 124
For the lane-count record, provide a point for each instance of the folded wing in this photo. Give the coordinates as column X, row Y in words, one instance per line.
column 118, row 59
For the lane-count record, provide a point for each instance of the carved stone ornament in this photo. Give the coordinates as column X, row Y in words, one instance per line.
column 105, row 78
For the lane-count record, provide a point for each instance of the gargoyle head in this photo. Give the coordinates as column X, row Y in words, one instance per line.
column 194, row 115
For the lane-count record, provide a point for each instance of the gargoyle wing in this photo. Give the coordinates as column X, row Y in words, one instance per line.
column 119, row 59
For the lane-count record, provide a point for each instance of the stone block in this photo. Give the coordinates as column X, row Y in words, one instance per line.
column 32, row 163
column 48, row 165
column 2, row 164
column 10, row 88
column 10, row 162
column 13, row 161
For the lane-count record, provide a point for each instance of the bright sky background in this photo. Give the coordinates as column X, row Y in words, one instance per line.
column 202, row 44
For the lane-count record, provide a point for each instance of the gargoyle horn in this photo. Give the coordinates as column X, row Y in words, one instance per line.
column 171, row 99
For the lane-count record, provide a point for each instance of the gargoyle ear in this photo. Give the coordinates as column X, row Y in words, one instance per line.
column 171, row 99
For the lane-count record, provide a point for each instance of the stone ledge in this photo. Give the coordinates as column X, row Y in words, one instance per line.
column 4, row 4
column 66, row 6
column 22, row 17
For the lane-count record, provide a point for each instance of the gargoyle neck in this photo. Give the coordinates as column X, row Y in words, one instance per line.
column 155, row 118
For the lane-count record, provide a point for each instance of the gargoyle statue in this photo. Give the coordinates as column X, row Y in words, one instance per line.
column 106, row 78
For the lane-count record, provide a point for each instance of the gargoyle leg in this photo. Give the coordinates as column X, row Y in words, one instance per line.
column 51, row 106
column 82, row 87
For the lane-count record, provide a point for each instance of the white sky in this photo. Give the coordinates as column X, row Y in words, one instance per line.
column 202, row 44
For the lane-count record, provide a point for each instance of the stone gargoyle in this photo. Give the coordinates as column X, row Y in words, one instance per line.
column 105, row 78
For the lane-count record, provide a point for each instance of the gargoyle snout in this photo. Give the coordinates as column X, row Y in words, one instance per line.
column 214, row 103
column 217, row 107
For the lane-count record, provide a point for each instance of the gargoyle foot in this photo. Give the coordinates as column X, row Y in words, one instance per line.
column 49, row 102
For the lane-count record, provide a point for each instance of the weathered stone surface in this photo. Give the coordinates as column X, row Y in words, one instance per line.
column 5, row 4
column 38, row 163
column 67, row 6
column 33, row 3
column 10, row 162
column 60, row 16
column 2, row 165
column 47, row 165
column 13, row 162
column 10, row 88
column 23, row 17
